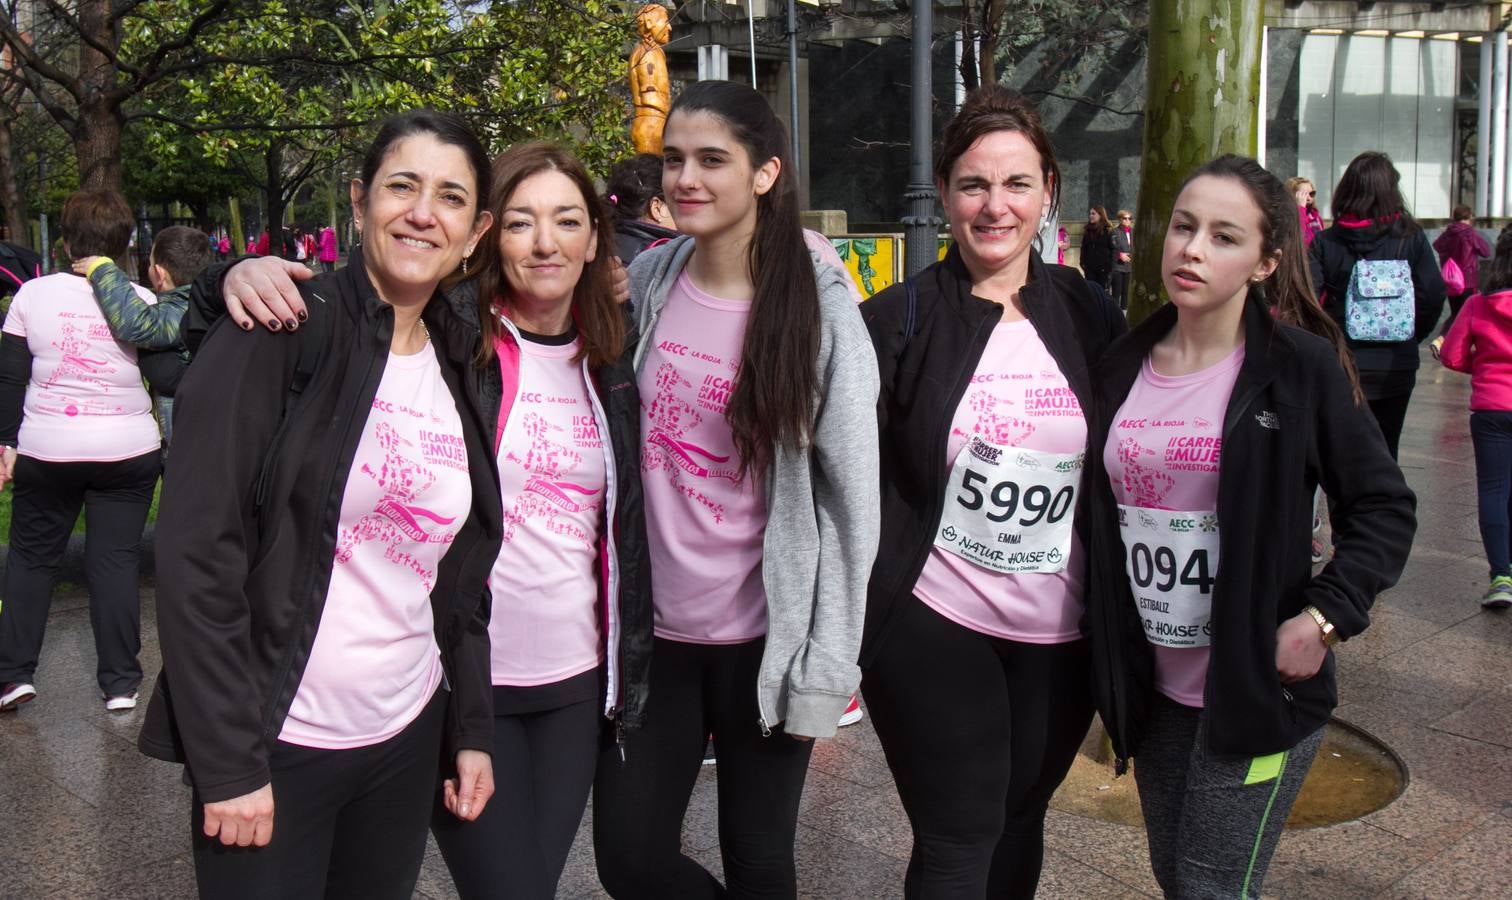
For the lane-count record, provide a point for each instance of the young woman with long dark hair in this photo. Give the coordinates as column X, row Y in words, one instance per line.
column 1097, row 248
column 975, row 667
column 759, row 465
column 1371, row 223
column 1217, row 418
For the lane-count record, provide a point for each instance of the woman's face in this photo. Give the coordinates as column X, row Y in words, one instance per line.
column 545, row 239
column 1306, row 193
column 995, row 199
column 419, row 217
column 708, row 178
column 1092, row 217
column 1214, row 246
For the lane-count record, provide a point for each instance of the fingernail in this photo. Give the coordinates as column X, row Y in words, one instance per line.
column 291, row 324
column 246, row 326
column 273, row 324
column 466, row 808
column 303, row 315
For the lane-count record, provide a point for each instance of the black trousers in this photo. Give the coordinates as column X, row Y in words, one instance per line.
column 115, row 497
column 978, row 731
column 1388, row 394
column 1120, row 289
column 346, row 823
column 639, row 803
column 543, row 764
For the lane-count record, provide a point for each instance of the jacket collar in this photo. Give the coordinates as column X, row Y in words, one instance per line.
column 1267, row 347
column 954, row 285
column 451, row 332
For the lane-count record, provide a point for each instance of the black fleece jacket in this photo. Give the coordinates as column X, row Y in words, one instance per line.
column 244, row 554
column 924, row 378
column 1331, row 258
column 1291, row 424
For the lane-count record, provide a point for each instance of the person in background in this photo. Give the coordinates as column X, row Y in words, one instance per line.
column 1062, row 244
column 328, row 251
column 1464, row 245
column 1480, row 343
column 175, row 260
column 1123, row 256
column 1306, row 196
column 1097, row 248
column 77, row 432
column 642, row 217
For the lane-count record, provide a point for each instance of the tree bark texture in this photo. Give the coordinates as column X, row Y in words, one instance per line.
column 10, row 194
column 1202, row 100
column 97, row 139
column 238, row 233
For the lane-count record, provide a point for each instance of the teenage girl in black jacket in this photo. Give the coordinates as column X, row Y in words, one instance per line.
column 1211, row 634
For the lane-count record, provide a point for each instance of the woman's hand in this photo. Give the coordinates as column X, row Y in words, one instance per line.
column 1300, row 650
column 7, row 466
column 245, row 821
column 263, row 290
column 621, row 280
column 468, row 793
column 81, row 266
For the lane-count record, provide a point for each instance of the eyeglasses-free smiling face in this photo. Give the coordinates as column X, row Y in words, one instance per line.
column 546, row 238
column 419, row 217
column 1214, row 245
column 995, row 199
column 708, row 179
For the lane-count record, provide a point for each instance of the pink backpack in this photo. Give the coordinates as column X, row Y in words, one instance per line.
column 1454, row 277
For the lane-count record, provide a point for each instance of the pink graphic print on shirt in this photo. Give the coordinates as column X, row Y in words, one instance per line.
column 547, row 495
column 396, row 519
column 673, row 417
column 1144, row 486
column 74, row 345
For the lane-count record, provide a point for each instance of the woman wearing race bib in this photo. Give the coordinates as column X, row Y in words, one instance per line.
column 1217, row 418
column 976, row 671
column 1374, row 246
column 571, row 625
column 759, row 463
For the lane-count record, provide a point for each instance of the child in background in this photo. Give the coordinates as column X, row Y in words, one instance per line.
column 177, row 256
column 1480, row 343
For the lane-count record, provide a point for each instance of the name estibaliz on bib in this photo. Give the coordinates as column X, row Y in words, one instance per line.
column 1009, row 509
column 1171, row 557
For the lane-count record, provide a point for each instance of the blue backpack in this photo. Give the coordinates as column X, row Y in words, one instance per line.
column 1380, row 303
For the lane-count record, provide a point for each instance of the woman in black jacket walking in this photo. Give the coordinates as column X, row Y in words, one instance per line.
column 1216, row 419
column 974, row 665
column 324, row 555
column 1097, row 248
column 1371, row 222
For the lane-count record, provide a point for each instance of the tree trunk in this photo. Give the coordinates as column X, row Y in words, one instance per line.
column 97, row 138
column 968, row 46
column 1203, row 94
column 273, row 196
column 992, row 27
column 10, row 194
column 238, row 232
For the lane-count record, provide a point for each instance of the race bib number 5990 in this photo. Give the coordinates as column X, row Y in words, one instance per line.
column 1010, row 509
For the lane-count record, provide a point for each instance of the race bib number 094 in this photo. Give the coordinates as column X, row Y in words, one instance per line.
column 1010, row 510
column 1172, row 561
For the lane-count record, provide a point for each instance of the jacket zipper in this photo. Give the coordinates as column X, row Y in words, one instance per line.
column 615, row 661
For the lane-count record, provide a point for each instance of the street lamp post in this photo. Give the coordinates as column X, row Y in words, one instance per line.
column 921, row 225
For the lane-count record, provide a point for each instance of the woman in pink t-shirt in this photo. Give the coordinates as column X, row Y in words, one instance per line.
column 759, row 464
column 571, row 624
column 77, row 431
column 325, row 541
column 975, row 664
column 1212, row 634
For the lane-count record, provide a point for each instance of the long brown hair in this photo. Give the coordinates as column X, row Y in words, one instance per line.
column 1102, row 225
column 600, row 321
column 1288, row 290
column 773, row 401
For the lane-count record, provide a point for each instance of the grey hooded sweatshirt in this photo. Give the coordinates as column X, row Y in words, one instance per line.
column 822, row 508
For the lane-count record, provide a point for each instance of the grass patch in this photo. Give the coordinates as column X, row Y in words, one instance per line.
column 5, row 513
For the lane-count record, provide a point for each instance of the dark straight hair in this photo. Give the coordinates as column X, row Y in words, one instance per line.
column 599, row 319
column 992, row 108
column 633, row 183
column 1288, row 291
column 1103, row 225
column 1370, row 188
column 96, row 223
column 182, row 252
column 773, row 401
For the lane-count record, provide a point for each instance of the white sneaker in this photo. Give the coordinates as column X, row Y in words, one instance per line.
column 122, row 702
column 15, row 693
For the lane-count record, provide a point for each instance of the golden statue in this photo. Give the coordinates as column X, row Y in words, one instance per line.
column 650, row 87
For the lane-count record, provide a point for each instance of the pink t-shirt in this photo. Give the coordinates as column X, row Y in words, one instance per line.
column 1017, row 398
column 551, row 468
column 1163, row 453
column 85, row 401
column 705, row 528
column 375, row 663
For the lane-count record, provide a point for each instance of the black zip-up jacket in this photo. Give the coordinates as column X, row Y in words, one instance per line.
column 924, row 378
column 619, row 396
column 1097, row 254
column 242, row 583
column 1331, row 258
column 1290, row 424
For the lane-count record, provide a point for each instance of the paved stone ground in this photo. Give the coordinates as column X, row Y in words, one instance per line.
column 83, row 815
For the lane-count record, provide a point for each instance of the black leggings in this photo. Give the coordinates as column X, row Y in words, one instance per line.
column 115, row 497
column 346, row 823
column 978, row 731
column 543, row 766
column 639, row 803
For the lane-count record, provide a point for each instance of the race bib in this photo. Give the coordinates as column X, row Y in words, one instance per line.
column 1172, row 562
column 1010, row 510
